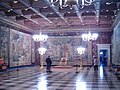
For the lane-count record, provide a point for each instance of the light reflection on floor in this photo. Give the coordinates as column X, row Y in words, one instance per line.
column 101, row 72
column 80, row 86
column 59, row 79
column 42, row 85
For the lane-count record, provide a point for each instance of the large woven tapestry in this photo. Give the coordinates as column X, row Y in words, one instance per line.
column 116, row 46
column 20, row 48
column 65, row 46
column 33, row 52
column 4, row 43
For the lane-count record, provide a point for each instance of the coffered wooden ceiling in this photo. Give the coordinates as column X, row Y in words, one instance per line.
column 35, row 15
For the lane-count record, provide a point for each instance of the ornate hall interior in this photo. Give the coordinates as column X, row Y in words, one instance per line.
column 77, row 35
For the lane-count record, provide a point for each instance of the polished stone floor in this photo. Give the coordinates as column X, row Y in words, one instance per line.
column 34, row 78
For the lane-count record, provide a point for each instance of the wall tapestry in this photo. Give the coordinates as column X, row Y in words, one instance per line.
column 116, row 45
column 33, row 52
column 4, row 39
column 20, row 48
column 65, row 46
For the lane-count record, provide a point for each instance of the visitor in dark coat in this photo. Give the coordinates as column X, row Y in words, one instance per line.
column 48, row 62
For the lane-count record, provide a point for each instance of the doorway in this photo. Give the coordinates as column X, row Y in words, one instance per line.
column 103, row 58
column 104, row 54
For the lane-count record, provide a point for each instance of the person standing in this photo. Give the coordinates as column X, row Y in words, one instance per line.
column 95, row 63
column 48, row 62
column 105, row 61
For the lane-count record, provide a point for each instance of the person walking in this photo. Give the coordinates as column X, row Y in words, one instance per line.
column 48, row 62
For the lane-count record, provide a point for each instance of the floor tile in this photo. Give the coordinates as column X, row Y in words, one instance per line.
column 33, row 78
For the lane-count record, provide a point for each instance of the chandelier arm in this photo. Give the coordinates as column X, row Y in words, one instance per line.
column 89, row 1
column 88, row 4
column 65, row 3
column 81, row 6
column 54, row 2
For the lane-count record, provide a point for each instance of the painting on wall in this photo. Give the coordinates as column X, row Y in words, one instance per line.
column 65, row 46
column 4, row 39
column 20, row 48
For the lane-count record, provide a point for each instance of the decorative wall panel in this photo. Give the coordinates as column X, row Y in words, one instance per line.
column 20, row 48
column 33, row 52
column 64, row 46
column 4, row 43
column 116, row 45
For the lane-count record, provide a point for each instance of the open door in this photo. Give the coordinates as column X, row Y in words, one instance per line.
column 104, row 54
column 103, row 57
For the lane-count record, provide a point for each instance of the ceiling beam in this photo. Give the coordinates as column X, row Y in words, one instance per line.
column 109, row 1
column 78, row 13
column 10, row 22
column 16, row 11
column 97, row 8
column 56, row 11
column 27, row 4
column 93, row 29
